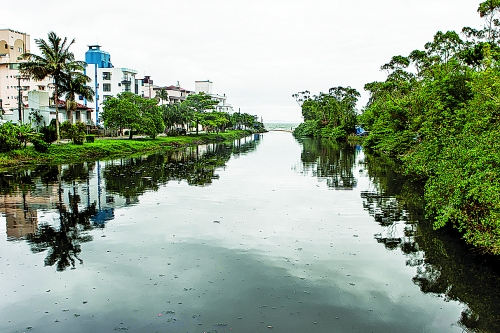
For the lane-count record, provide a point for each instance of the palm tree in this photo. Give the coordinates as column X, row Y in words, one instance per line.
column 56, row 61
column 75, row 84
column 162, row 95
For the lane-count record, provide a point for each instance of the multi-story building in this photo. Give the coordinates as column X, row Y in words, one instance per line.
column 107, row 80
column 206, row 87
column 14, row 88
column 176, row 94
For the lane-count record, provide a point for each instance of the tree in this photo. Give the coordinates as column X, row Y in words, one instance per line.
column 136, row 113
column 331, row 115
column 72, row 84
column 489, row 10
column 200, row 103
column 215, row 120
column 162, row 95
column 56, row 61
column 151, row 117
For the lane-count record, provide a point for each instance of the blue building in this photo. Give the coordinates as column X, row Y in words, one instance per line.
column 96, row 58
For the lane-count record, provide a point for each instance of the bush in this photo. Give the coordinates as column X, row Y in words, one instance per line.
column 65, row 130
column 39, row 144
column 9, row 133
column 90, row 138
column 76, row 133
column 49, row 133
column 308, row 128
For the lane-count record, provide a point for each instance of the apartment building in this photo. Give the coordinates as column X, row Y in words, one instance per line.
column 107, row 80
column 14, row 88
column 206, row 87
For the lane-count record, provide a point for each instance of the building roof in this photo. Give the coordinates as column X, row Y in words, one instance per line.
column 62, row 104
column 173, row 88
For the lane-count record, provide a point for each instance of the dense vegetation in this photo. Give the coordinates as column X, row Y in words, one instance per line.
column 108, row 148
column 438, row 111
column 328, row 115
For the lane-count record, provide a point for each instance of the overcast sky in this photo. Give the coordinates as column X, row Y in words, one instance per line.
column 256, row 52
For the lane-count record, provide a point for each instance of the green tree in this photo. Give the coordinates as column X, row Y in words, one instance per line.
column 329, row 115
column 136, row 113
column 56, row 61
column 162, row 95
column 200, row 103
column 215, row 121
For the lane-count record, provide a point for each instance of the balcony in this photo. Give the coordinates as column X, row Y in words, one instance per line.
column 126, row 81
column 4, row 58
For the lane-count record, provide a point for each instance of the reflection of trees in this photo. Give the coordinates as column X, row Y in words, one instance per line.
column 131, row 177
column 63, row 242
column 330, row 161
column 444, row 265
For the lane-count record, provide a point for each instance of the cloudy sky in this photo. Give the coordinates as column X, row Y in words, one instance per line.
column 256, row 52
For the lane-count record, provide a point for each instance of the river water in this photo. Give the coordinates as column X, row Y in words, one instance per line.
column 266, row 235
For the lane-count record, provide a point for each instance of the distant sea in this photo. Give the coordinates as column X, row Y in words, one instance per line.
column 280, row 126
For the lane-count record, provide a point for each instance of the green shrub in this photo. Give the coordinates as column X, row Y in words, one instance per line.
column 39, row 144
column 9, row 134
column 90, row 138
column 65, row 130
column 49, row 133
column 77, row 133
column 308, row 128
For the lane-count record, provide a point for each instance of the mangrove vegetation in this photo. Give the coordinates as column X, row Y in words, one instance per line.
column 438, row 111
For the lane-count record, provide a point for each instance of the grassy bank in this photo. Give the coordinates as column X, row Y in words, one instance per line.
column 109, row 148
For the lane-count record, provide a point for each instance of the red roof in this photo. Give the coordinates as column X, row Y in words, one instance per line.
column 62, row 104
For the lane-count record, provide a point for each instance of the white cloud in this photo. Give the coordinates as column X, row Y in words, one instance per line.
column 256, row 52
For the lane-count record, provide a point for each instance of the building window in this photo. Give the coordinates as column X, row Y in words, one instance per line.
column 106, row 87
column 106, row 76
column 105, row 97
column 41, row 88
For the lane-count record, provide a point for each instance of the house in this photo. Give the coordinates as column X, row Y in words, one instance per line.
column 176, row 94
column 41, row 105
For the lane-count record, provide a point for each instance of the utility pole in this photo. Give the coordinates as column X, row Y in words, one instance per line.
column 19, row 99
column 20, row 104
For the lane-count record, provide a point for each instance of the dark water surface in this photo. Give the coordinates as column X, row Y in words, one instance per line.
column 267, row 235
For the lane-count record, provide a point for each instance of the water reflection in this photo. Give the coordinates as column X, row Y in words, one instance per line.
column 84, row 195
column 267, row 248
column 444, row 266
column 63, row 242
column 330, row 162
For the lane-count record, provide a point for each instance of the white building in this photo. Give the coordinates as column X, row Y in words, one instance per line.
column 176, row 94
column 107, row 80
column 42, row 105
column 206, row 87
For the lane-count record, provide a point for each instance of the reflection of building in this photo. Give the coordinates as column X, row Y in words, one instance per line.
column 12, row 45
column 206, row 87
column 21, row 213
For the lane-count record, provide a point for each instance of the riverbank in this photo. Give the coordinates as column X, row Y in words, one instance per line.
column 109, row 148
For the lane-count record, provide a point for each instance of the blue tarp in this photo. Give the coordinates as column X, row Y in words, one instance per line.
column 360, row 131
